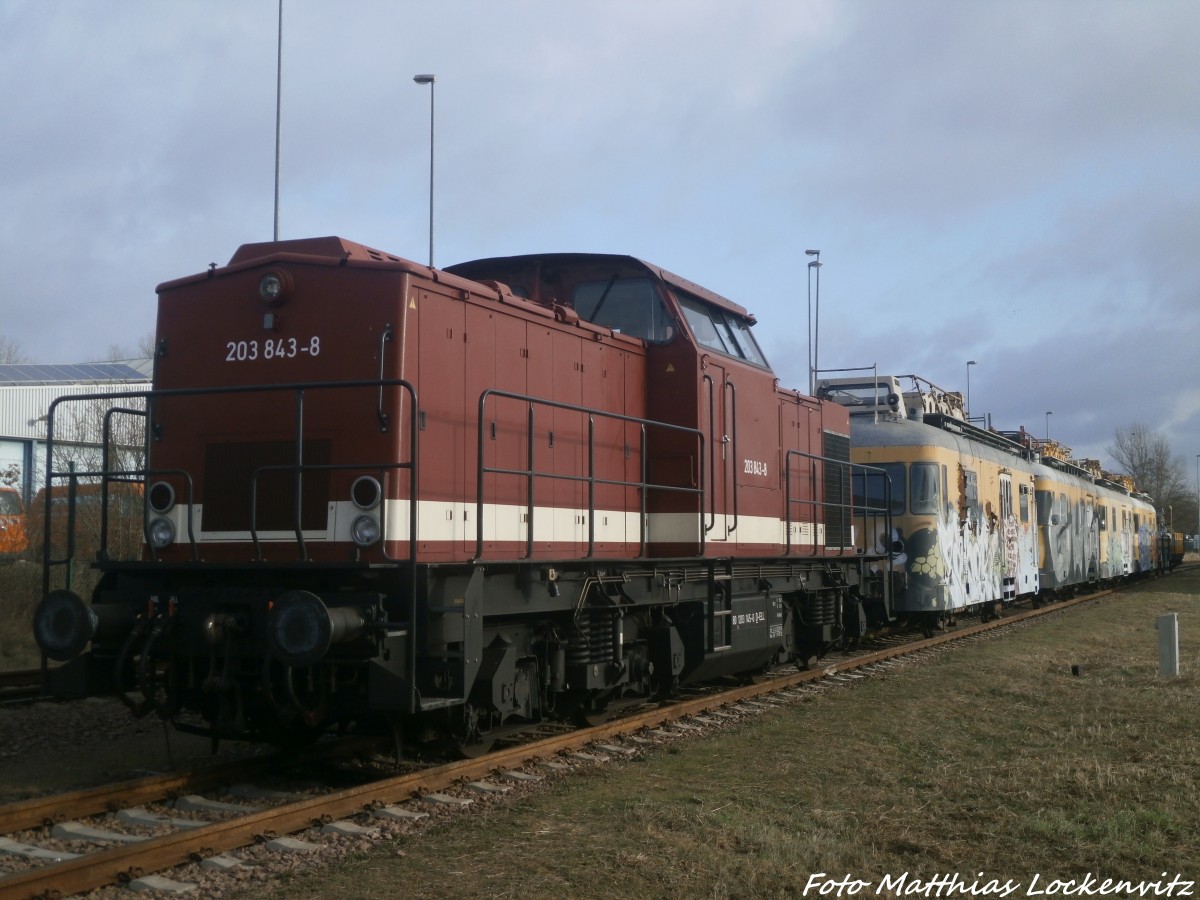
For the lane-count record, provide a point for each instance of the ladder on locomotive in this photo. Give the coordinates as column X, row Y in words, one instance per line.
column 719, row 606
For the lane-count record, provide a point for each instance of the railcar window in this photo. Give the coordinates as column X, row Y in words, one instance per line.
column 629, row 305
column 925, row 499
column 1006, row 508
column 718, row 330
column 869, row 488
column 1023, row 490
column 971, row 494
column 1045, row 506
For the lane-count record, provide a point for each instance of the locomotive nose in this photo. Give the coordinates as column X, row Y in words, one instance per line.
column 63, row 624
column 301, row 628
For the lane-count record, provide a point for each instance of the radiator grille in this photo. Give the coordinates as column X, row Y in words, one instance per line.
column 837, row 490
column 229, row 483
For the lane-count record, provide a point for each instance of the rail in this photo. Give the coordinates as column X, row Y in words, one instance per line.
column 531, row 473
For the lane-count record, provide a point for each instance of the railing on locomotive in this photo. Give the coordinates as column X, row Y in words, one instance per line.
column 590, row 478
column 848, row 510
column 105, row 476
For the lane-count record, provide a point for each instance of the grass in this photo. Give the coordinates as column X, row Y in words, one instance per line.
column 993, row 760
column 20, row 590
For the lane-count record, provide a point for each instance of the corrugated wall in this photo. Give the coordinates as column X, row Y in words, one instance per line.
column 22, row 405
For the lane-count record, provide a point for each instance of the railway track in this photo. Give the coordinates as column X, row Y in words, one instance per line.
column 41, row 828
column 20, row 685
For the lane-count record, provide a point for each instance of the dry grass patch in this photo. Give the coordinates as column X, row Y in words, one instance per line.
column 20, row 590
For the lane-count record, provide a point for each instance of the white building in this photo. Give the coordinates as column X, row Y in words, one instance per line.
column 26, row 392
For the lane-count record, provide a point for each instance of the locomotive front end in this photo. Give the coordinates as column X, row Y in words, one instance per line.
column 280, row 445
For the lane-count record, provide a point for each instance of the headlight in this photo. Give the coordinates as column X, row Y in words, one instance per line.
column 161, row 532
column 366, row 492
column 365, row 530
column 274, row 287
column 162, row 497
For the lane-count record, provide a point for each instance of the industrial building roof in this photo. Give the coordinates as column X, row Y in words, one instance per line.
column 124, row 372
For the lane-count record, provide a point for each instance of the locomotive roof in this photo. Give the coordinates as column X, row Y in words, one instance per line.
column 330, row 251
column 565, row 259
column 333, row 250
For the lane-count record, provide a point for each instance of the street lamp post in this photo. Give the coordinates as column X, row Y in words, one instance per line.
column 278, row 111
column 970, row 362
column 429, row 80
column 1049, row 413
column 1196, row 543
column 813, row 264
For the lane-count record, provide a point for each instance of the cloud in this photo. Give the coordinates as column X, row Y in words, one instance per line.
column 1012, row 181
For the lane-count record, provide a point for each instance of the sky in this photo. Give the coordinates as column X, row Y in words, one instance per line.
column 1015, row 183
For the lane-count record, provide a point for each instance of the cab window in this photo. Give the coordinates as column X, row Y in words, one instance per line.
column 870, row 487
column 719, row 330
column 925, row 481
column 630, row 306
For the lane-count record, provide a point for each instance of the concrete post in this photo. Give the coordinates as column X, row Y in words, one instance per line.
column 1168, row 645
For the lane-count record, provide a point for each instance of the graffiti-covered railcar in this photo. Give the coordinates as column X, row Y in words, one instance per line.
column 1092, row 525
column 980, row 517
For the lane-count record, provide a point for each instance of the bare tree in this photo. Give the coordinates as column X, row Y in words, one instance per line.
column 79, row 448
column 1146, row 455
column 144, row 349
column 11, row 352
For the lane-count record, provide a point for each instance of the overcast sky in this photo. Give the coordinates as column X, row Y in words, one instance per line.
column 1012, row 182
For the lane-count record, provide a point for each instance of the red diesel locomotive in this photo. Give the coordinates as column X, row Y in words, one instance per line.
column 461, row 499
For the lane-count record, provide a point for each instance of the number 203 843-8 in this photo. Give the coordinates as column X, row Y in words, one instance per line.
column 271, row 348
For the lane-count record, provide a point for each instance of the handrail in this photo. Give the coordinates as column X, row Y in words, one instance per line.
column 731, row 425
column 712, row 438
column 107, row 473
column 530, row 473
column 847, row 508
column 385, row 338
